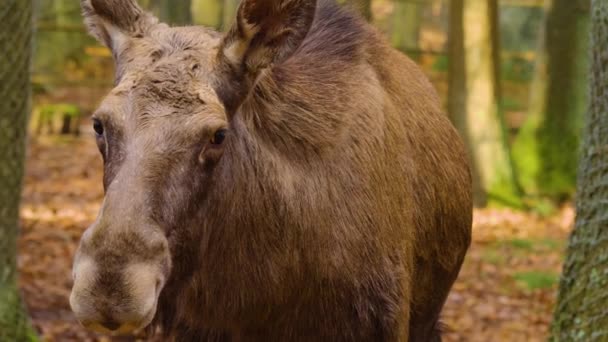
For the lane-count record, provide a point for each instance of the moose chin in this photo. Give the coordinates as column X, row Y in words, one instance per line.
column 293, row 179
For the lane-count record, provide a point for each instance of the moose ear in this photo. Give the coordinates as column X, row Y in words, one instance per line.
column 112, row 22
column 267, row 32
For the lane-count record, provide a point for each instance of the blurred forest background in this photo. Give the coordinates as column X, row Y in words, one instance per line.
column 512, row 75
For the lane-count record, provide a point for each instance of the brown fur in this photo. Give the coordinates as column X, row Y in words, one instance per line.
column 338, row 208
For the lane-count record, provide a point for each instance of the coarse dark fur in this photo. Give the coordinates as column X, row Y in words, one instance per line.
column 338, row 208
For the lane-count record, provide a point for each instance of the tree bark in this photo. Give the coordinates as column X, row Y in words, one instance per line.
column 474, row 98
column 581, row 313
column 15, row 44
column 546, row 148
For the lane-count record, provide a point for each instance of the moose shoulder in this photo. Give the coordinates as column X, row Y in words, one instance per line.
column 292, row 180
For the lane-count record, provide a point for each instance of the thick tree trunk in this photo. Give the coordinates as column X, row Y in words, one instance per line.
column 15, row 44
column 581, row 313
column 474, row 98
column 546, row 149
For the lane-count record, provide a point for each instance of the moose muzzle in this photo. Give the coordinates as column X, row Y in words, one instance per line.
column 119, row 271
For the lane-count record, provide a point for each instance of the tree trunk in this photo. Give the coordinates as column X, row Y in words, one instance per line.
column 581, row 313
column 15, row 44
column 405, row 24
column 474, row 98
column 546, row 149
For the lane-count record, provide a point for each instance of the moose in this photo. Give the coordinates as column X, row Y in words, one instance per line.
column 294, row 179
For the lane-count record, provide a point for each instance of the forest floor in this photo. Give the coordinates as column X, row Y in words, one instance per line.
column 506, row 289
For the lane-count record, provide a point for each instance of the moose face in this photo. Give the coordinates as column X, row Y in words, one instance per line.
column 162, row 132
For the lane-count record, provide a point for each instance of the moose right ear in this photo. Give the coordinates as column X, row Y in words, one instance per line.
column 267, row 32
column 112, row 22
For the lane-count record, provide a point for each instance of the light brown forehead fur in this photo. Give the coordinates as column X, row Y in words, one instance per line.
column 166, row 73
column 168, row 44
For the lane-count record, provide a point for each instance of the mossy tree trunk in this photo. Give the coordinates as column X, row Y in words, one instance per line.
column 546, row 149
column 15, row 44
column 581, row 313
column 474, row 98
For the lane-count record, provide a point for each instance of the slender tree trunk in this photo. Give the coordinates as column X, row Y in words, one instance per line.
column 474, row 98
column 15, row 44
column 546, row 149
column 405, row 24
column 581, row 313
column 525, row 146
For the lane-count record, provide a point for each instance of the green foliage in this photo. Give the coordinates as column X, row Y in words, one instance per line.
column 493, row 256
column 525, row 154
column 522, row 244
column 65, row 109
column 535, row 280
column 542, row 206
column 551, row 244
column 546, row 156
column 441, row 63
column 503, row 194
column 54, row 118
column 512, row 104
column 517, row 69
column 527, row 246
column 509, row 254
column 497, row 252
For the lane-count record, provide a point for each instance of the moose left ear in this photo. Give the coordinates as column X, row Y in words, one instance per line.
column 113, row 22
column 267, row 32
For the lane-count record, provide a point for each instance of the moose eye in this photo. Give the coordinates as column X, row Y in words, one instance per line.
column 219, row 137
column 97, row 127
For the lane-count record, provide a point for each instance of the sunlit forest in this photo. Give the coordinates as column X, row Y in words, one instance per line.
column 512, row 75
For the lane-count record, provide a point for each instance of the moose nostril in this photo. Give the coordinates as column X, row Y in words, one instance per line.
column 110, row 324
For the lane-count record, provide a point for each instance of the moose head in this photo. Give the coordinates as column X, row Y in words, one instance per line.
column 165, row 134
